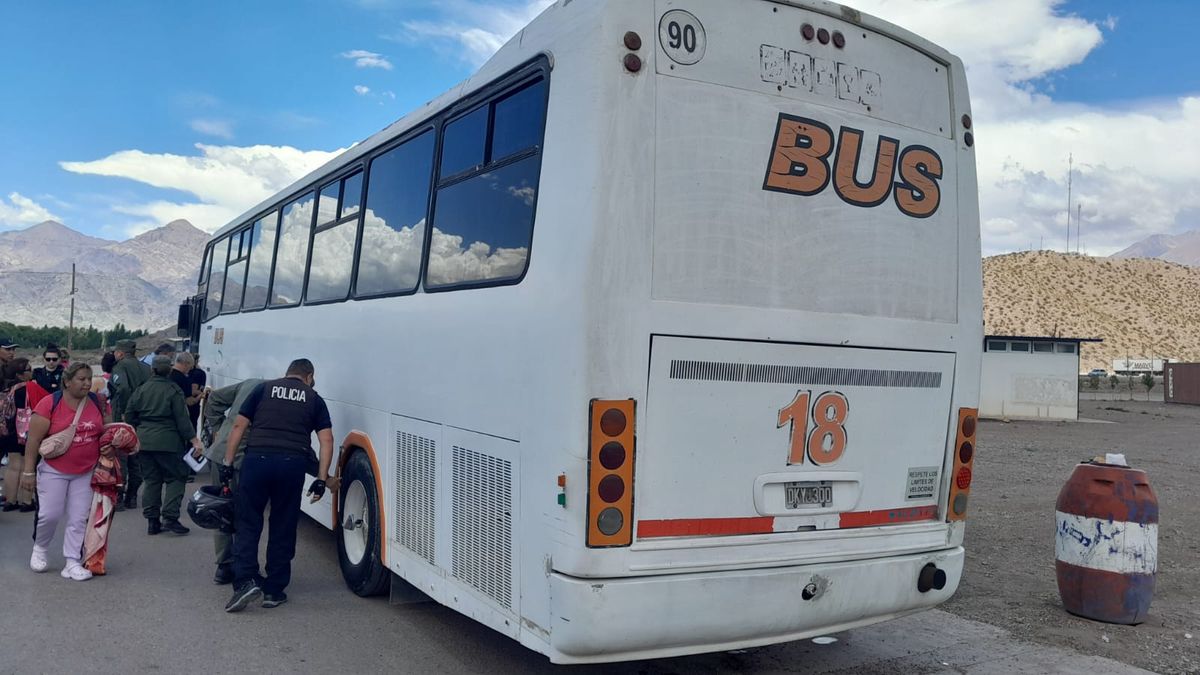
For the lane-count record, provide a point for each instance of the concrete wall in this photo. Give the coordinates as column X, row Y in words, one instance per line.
column 1029, row 385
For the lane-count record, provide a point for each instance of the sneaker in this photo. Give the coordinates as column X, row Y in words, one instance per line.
column 37, row 561
column 243, row 595
column 224, row 575
column 153, row 526
column 174, row 527
column 75, row 572
column 26, row 508
column 274, row 599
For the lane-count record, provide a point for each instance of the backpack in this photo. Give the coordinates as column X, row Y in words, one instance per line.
column 8, row 410
column 57, row 398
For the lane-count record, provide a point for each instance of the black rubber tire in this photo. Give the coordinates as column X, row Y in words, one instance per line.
column 370, row 576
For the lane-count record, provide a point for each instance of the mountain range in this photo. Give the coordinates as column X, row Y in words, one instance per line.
column 1177, row 248
column 138, row 282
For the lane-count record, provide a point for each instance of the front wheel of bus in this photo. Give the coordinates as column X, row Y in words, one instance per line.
column 359, row 536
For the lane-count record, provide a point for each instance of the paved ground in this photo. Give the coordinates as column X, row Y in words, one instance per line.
column 158, row 611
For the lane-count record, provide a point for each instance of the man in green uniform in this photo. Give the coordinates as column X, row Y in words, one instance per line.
column 127, row 375
column 217, row 418
column 158, row 412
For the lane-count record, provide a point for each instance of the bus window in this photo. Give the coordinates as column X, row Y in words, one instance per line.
column 235, row 273
column 389, row 260
column 463, row 143
column 216, row 281
column 292, row 256
column 518, row 121
column 327, row 204
column 333, row 247
column 483, row 225
column 262, row 249
column 351, row 196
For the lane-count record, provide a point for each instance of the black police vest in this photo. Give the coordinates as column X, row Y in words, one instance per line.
column 285, row 418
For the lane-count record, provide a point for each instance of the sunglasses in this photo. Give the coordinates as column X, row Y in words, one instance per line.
column 47, row 359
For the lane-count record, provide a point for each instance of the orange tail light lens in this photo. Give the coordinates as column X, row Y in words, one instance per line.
column 610, row 473
column 964, row 457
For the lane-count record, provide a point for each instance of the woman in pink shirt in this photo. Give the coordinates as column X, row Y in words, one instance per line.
column 64, row 483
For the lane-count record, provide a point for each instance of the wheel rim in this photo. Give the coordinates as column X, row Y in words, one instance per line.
column 356, row 522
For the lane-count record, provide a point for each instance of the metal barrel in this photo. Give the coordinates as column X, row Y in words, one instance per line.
column 1106, row 548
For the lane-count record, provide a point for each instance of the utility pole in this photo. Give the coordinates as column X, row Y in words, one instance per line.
column 71, row 327
column 1070, row 171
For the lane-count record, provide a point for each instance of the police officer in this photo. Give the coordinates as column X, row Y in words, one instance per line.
column 128, row 374
column 220, row 414
column 282, row 415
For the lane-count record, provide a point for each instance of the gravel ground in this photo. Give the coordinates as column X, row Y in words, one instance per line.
column 1009, row 578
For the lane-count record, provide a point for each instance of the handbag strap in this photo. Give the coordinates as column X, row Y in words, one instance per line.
column 79, row 412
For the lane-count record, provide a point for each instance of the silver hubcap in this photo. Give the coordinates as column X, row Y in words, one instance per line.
column 356, row 522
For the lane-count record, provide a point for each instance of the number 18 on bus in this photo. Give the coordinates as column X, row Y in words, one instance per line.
column 660, row 334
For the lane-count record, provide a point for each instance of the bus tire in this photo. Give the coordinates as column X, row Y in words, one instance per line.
column 359, row 537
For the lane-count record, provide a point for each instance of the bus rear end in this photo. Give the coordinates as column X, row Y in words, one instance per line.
column 790, row 451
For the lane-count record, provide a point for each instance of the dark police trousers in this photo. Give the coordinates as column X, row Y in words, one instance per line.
column 276, row 478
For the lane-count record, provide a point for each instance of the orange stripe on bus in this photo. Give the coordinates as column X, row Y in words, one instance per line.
column 888, row 516
column 704, row 527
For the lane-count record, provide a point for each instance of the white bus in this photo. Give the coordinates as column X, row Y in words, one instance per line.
column 658, row 335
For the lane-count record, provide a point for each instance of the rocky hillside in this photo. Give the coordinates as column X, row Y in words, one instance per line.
column 1140, row 307
column 138, row 282
column 1181, row 248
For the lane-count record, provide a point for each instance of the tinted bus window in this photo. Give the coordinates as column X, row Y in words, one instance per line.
column 389, row 260
column 235, row 273
column 262, row 249
column 292, row 256
column 216, row 281
column 483, row 226
column 519, row 120
column 463, row 142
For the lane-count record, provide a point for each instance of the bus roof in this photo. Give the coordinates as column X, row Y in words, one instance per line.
column 505, row 59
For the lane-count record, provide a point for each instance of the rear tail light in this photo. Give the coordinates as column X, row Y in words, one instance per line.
column 610, row 473
column 964, row 456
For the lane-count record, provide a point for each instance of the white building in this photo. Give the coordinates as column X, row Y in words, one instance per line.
column 1030, row 377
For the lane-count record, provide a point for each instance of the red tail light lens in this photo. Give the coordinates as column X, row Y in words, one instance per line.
column 968, row 425
column 612, row 455
column 613, row 422
column 612, row 488
column 964, row 478
column 966, row 452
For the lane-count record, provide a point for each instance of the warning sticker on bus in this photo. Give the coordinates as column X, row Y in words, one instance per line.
column 922, row 482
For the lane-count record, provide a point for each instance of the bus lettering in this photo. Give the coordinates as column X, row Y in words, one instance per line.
column 799, row 165
column 826, row 443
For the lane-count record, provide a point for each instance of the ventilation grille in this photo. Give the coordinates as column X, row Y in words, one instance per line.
column 844, row 377
column 415, row 494
column 482, row 537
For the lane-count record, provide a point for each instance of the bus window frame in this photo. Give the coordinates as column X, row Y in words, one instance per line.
column 280, row 206
column 241, row 233
column 343, row 173
column 503, row 87
column 414, row 133
column 277, row 210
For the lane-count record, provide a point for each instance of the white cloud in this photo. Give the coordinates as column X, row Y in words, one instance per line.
column 361, row 90
column 365, row 59
column 1132, row 179
column 226, row 180
column 480, row 28
column 19, row 211
column 218, row 128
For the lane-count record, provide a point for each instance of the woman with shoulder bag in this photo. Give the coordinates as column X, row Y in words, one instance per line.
column 65, row 430
column 16, row 375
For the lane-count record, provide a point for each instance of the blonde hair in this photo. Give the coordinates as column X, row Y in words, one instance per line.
column 99, row 385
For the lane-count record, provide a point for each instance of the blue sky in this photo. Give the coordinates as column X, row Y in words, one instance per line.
column 121, row 116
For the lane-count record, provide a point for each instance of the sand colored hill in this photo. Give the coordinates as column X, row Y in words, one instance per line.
column 1140, row 307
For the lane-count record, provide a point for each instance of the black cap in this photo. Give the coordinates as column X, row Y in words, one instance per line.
column 7, row 342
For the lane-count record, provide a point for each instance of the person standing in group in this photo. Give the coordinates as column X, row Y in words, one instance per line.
column 8, row 350
column 199, row 382
column 157, row 411
column 281, row 416
column 184, row 361
column 217, row 418
column 14, row 377
column 127, row 375
column 165, row 349
column 64, row 483
column 49, row 376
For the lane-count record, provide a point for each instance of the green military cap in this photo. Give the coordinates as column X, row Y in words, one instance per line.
column 127, row 346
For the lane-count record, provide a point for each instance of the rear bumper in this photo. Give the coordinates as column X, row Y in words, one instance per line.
column 599, row 620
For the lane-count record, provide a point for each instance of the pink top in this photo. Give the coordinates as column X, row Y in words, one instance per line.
column 85, row 449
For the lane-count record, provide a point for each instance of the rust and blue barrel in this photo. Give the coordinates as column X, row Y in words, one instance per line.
column 1106, row 552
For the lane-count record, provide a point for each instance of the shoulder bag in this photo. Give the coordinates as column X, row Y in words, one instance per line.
column 56, row 445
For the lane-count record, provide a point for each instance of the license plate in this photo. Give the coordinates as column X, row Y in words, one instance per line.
column 809, row 493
